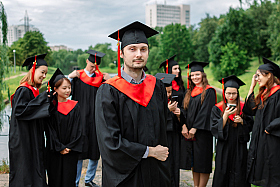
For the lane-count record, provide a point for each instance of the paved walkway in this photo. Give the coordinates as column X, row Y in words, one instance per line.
column 15, row 76
column 185, row 177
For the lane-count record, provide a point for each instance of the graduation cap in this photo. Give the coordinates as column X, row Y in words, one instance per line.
column 165, row 78
column 168, row 64
column 35, row 61
column 55, row 77
column 271, row 67
column 95, row 57
column 230, row 81
column 195, row 66
column 133, row 33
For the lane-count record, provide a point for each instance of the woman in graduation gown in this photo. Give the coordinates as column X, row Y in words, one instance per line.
column 174, row 127
column 264, row 152
column 64, row 135
column 197, row 150
column 232, row 130
column 26, row 135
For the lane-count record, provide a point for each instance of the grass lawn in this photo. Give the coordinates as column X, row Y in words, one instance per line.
column 108, row 70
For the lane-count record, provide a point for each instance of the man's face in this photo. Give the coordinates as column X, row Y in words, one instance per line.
column 135, row 55
column 91, row 67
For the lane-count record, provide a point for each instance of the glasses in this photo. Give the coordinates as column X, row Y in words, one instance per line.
column 229, row 93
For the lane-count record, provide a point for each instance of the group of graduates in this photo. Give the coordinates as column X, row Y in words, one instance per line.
column 145, row 127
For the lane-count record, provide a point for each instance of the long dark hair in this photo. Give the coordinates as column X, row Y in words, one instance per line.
column 192, row 85
column 267, row 87
column 179, row 80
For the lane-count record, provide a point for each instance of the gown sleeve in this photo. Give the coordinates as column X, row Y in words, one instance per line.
column 273, row 127
column 216, row 124
column 249, row 105
column 113, row 146
column 202, row 120
column 28, row 108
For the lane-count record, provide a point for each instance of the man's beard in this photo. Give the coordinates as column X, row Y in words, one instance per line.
column 138, row 66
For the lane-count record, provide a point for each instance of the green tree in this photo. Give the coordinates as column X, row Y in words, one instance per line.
column 110, row 56
column 175, row 39
column 3, row 53
column 202, row 38
column 237, row 27
column 32, row 43
column 82, row 60
column 233, row 60
column 63, row 60
column 260, row 12
column 154, row 60
column 274, row 30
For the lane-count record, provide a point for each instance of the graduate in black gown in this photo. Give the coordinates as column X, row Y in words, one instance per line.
column 232, row 130
column 197, row 149
column 85, row 84
column 174, row 132
column 26, row 135
column 64, row 135
column 131, row 116
column 264, row 152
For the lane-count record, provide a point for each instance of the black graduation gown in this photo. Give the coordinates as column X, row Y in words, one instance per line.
column 174, row 145
column 198, row 116
column 125, row 129
column 180, row 94
column 264, row 152
column 231, row 150
column 63, row 131
column 26, row 139
column 85, row 94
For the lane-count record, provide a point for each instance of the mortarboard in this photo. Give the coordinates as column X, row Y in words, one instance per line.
column 271, row 67
column 55, row 77
column 167, row 64
column 165, row 78
column 35, row 61
column 232, row 81
column 133, row 33
column 95, row 57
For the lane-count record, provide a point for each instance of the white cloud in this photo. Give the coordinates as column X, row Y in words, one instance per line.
column 81, row 23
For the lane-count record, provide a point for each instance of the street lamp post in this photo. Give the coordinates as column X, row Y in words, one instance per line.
column 14, row 60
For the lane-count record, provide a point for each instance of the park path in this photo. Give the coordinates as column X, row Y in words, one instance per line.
column 15, row 76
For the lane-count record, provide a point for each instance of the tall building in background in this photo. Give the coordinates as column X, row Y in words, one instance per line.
column 16, row 32
column 161, row 15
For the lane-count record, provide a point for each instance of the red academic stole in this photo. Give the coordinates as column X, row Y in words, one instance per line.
column 25, row 84
column 92, row 81
column 140, row 93
column 198, row 90
column 175, row 86
column 272, row 91
column 66, row 107
column 220, row 106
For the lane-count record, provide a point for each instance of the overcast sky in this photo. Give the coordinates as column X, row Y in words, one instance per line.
column 81, row 23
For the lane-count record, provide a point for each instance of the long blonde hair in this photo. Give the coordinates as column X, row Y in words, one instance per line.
column 27, row 78
column 192, row 85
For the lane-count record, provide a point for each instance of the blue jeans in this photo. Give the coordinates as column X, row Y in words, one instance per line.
column 91, row 170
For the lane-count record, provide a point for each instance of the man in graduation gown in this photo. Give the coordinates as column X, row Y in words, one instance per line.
column 131, row 116
column 85, row 84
